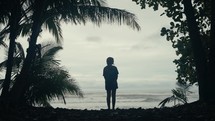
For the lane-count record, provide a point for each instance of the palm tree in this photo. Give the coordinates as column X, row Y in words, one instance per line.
column 76, row 12
column 48, row 79
column 18, row 58
column 13, row 13
column 5, row 9
column 44, row 11
column 179, row 95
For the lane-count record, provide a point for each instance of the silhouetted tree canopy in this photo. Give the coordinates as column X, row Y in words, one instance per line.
column 48, row 79
column 30, row 17
column 191, row 32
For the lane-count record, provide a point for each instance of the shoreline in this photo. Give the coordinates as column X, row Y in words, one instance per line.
column 124, row 100
column 188, row 112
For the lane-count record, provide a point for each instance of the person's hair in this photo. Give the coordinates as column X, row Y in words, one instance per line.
column 110, row 60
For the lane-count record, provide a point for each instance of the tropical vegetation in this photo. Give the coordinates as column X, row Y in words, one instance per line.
column 179, row 95
column 47, row 78
column 31, row 17
column 191, row 32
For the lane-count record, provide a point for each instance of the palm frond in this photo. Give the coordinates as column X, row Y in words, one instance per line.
column 19, row 56
column 25, row 29
column 92, row 2
column 48, row 80
column 3, row 33
column 15, row 69
column 54, row 27
column 166, row 100
column 49, row 55
column 2, row 43
column 184, row 86
column 54, row 83
column 3, row 65
column 1, row 81
column 20, row 51
column 179, row 94
column 50, row 49
column 99, row 14
column 80, row 14
column 4, row 14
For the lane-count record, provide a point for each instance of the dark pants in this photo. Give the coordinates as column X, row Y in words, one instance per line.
column 113, row 94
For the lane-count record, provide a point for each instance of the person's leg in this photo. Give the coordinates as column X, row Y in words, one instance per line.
column 108, row 98
column 113, row 98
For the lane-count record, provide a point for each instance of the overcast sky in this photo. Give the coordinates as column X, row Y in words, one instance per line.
column 144, row 58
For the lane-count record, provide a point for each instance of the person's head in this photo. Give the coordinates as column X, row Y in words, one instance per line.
column 110, row 61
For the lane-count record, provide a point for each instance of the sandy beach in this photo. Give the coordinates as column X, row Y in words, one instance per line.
column 188, row 112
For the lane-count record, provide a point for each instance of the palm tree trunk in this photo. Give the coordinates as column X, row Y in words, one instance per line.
column 198, row 50
column 13, row 22
column 19, row 88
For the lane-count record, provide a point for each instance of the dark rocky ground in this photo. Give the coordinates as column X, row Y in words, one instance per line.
column 188, row 112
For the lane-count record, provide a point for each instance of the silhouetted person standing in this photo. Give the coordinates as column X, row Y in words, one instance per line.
column 110, row 74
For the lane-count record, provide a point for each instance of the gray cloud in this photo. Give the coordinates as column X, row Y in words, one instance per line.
column 95, row 39
column 140, row 56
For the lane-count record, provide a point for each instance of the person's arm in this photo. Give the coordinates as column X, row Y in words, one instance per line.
column 104, row 74
column 117, row 72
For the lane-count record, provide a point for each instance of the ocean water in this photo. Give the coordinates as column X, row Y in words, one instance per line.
column 96, row 100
